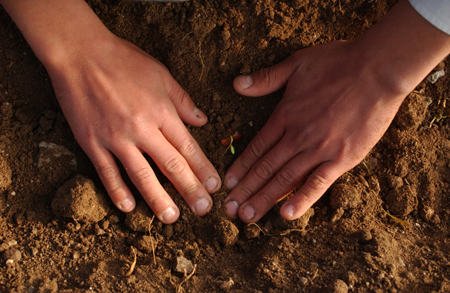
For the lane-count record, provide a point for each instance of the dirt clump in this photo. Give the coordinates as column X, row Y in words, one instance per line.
column 344, row 196
column 140, row 218
column 402, row 201
column 80, row 200
column 412, row 112
column 227, row 232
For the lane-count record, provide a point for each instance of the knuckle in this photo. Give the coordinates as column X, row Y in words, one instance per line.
column 286, row 178
column 267, row 200
column 155, row 200
column 111, row 179
column 244, row 193
column 188, row 148
column 256, row 148
column 264, row 170
column 174, row 166
column 142, row 176
column 108, row 173
column 190, row 188
column 317, row 182
column 268, row 76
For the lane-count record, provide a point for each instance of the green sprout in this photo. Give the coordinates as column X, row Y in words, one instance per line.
column 230, row 146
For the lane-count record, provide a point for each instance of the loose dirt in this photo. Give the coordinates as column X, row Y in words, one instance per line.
column 383, row 227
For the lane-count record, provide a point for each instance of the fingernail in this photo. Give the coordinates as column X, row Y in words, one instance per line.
column 289, row 210
column 232, row 207
column 201, row 205
column 231, row 182
column 198, row 113
column 168, row 214
column 126, row 205
column 211, row 184
column 249, row 212
column 245, row 81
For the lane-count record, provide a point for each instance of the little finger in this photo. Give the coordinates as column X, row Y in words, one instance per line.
column 315, row 186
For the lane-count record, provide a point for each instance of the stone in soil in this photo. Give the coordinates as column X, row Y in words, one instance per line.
column 427, row 213
column 139, row 219
column 227, row 232
column 182, row 265
column 80, row 200
column 339, row 286
column 13, row 254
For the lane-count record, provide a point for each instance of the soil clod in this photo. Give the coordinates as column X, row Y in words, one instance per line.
column 80, row 200
column 227, row 232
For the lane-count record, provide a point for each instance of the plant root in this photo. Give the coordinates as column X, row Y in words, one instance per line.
column 133, row 264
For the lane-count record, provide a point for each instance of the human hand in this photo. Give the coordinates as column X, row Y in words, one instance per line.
column 121, row 102
column 340, row 98
column 331, row 114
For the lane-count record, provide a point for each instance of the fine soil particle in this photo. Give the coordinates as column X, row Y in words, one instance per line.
column 205, row 44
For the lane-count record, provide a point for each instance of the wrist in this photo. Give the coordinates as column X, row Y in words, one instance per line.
column 57, row 31
column 400, row 50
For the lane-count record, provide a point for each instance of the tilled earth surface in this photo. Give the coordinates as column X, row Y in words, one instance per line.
column 382, row 227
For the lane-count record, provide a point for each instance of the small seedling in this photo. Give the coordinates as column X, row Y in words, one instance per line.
column 230, row 145
column 228, row 142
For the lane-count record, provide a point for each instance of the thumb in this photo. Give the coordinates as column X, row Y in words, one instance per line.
column 267, row 80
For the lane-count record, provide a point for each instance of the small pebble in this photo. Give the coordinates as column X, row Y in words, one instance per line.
column 13, row 254
column 433, row 77
column 182, row 265
column 339, row 286
column 226, row 285
column 303, row 280
column 34, row 251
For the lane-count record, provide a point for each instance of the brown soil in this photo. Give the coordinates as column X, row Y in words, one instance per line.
column 348, row 241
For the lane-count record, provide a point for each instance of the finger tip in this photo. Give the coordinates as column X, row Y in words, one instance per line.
column 242, row 83
column 230, row 182
column 213, row 184
column 126, row 205
column 170, row 215
column 231, row 207
column 248, row 214
column 202, row 206
column 287, row 211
